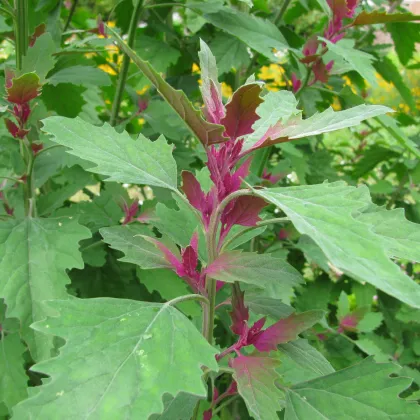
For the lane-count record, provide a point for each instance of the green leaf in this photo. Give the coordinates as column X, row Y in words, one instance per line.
column 137, row 250
column 230, row 53
column 259, row 34
column 391, row 126
column 262, row 305
column 180, row 225
column 277, row 107
column 313, row 252
column 370, row 322
column 206, row 132
column 81, row 75
column 405, row 36
column 282, row 123
column 300, row 361
column 23, row 88
column 326, row 213
column 73, row 104
column 358, row 60
column 371, row 158
column 261, row 270
column 120, row 358
column 117, row 155
column 389, row 71
column 361, row 391
column 181, row 407
column 13, row 380
column 35, row 254
column 39, row 58
column 169, row 286
column 256, row 377
column 158, row 53
column 376, row 16
column 399, row 236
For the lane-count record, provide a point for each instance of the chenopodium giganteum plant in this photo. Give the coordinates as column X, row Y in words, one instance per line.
column 134, row 359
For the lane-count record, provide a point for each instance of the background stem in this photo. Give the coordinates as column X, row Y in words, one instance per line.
column 21, row 31
column 125, row 64
column 72, row 10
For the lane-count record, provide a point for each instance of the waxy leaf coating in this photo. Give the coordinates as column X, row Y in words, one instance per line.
column 120, row 358
column 34, row 257
column 116, row 155
column 328, row 214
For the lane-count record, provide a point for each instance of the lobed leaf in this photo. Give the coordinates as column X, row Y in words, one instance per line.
column 23, row 88
column 120, row 358
column 35, row 254
column 207, row 133
column 326, row 213
column 116, row 155
column 256, row 377
column 361, row 391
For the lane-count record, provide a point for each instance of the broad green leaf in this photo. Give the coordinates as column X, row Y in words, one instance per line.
column 234, row 242
column 169, row 286
column 376, row 16
column 39, row 58
column 389, row 71
column 281, row 121
column 370, row 322
column 158, row 53
column 301, row 362
column 121, row 356
column 371, row 157
column 277, row 107
column 405, row 36
column 230, row 53
column 180, row 225
column 137, row 250
column 117, row 155
column 362, row 391
column 100, row 212
column 206, row 132
column 399, row 237
column 73, row 104
column 261, row 270
column 13, row 379
column 94, row 252
column 256, row 377
column 313, row 252
column 267, row 306
column 372, row 349
column 81, row 75
column 34, row 257
column 358, row 60
column 259, row 34
column 326, row 213
column 181, row 407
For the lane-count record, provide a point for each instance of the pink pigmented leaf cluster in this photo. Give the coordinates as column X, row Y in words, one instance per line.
column 266, row 340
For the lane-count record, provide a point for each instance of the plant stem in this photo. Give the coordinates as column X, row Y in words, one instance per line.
column 282, row 11
column 21, row 31
column 224, row 404
column 72, row 10
column 30, row 190
column 125, row 64
column 185, row 298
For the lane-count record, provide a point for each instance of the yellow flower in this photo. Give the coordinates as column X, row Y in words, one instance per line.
column 143, row 90
column 336, row 105
column 226, row 90
column 107, row 69
column 195, row 69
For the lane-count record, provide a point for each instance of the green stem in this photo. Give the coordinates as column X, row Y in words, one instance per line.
column 125, row 64
column 72, row 10
column 30, row 189
column 225, row 404
column 185, row 298
column 21, row 31
column 282, row 11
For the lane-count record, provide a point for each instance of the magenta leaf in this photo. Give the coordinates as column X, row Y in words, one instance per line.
column 22, row 89
column 244, row 212
column 240, row 111
column 256, row 378
column 192, row 190
column 285, row 330
column 239, row 314
column 311, row 46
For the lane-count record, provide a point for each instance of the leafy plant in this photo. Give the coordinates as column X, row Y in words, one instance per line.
column 162, row 260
